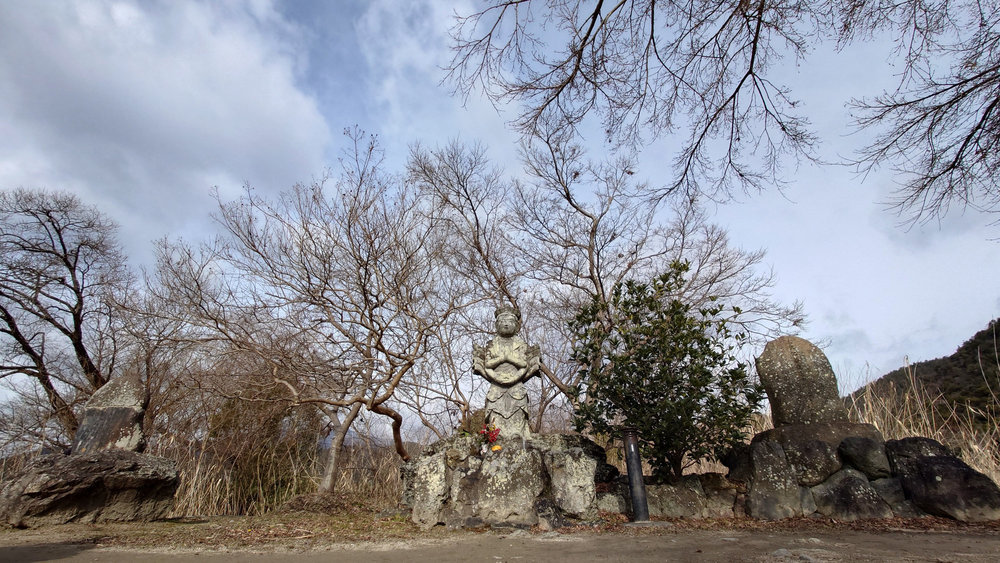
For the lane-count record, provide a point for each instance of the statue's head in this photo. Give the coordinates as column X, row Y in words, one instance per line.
column 508, row 320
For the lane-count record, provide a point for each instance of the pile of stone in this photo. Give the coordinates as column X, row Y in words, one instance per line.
column 816, row 462
column 105, row 478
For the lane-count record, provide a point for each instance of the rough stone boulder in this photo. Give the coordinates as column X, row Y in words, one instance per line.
column 940, row 483
column 102, row 486
column 812, row 449
column 847, row 495
column 867, row 455
column 799, row 382
column 113, row 417
column 773, row 489
column 541, row 480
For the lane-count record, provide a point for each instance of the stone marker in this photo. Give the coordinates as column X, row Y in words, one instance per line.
column 113, row 417
column 513, row 478
column 799, row 382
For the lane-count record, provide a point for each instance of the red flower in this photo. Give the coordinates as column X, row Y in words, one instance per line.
column 490, row 433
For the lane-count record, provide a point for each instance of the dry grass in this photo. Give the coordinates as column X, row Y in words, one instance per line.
column 260, row 484
column 904, row 413
column 13, row 465
column 247, row 484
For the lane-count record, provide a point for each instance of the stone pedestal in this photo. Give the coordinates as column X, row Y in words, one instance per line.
column 541, row 480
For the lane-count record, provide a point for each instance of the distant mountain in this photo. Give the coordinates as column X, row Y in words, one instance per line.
column 968, row 378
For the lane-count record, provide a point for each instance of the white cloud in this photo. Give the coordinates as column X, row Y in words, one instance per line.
column 406, row 52
column 141, row 107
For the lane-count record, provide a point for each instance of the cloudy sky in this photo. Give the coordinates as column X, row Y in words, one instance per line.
column 142, row 107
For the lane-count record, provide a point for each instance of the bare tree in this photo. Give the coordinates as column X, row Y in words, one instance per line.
column 573, row 228
column 339, row 288
column 61, row 271
column 589, row 225
column 940, row 129
column 643, row 66
column 653, row 67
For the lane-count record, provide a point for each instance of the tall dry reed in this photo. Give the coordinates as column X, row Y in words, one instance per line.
column 368, row 476
column 915, row 411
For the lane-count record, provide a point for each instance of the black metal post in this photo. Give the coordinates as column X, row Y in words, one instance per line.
column 636, row 486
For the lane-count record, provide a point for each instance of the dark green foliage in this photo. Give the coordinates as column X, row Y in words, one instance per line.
column 968, row 380
column 650, row 361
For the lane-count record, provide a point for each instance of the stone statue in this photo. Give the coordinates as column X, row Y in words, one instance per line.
column 507, row 362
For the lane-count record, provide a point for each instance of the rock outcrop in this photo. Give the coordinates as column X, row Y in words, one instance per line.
column 105, row 478
column 103, row 486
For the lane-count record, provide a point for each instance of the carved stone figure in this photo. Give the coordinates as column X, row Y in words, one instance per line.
column 507, row 362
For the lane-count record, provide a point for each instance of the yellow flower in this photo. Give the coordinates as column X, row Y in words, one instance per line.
column 496, row 448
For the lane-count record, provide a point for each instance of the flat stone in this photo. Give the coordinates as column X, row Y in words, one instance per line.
column 833, row 433
column 113, row 417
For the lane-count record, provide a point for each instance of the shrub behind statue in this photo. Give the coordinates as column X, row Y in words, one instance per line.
column 650, row 361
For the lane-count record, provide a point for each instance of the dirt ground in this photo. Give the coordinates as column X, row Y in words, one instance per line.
column 304, row 539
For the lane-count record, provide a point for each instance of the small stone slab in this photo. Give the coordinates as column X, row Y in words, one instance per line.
column 113, row 417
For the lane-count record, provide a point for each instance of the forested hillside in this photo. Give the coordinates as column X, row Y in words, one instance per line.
column 968, row 380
